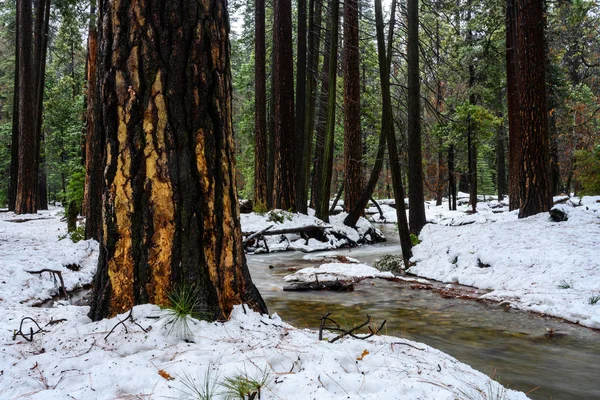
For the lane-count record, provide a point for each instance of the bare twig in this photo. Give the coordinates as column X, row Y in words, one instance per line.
column 55, row 273
column 122, row 322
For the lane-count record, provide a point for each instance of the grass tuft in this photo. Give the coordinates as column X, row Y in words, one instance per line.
column 184, row 305
column 204, row 389
column 244, row 386
column 565, row 285
column 594, row 299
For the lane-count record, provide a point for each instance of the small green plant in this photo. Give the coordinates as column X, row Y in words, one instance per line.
column 183, row 305
column 594, row 299
column 205, row 389
column 260, row 208
column 565, row 285
column 245, row 387
column 279, row 216
column 76, row 236
column 414, row 239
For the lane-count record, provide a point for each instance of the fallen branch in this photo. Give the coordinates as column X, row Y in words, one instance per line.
column 31, row 332
column 348, row 332
column 55, row 273
column 256, row 234
column 334, row 286
column 122, row 322
column 268, row 232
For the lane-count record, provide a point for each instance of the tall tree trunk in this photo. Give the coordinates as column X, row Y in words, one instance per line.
column 321, row 126
column 95, row 137
column 534, row 189
column 500, row 162
column 314, row 45
column 284, row 194
column 300, row 125
column 171, row 214
column 352, row 133
column 322, row 202
column 471, row 142
column 451, row 179
column 366, row 195
column 42, row 26
column 416, row 199
column 260, row 111
column 26, row 200
column 388, row 126
column 14, row 143
column 512, row 90
column 271, row 139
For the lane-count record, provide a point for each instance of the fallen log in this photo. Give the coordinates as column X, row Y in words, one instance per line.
column 301, row 229
column 334, row 286
column 256, row 234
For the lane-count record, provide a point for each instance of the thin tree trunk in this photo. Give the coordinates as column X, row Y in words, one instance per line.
column 358, row 210
column 322, row 202
column 300, row 125
column 388, row 126
column 416, row 199
column 271, row 140
column 284, row 183
column 26, row 200
column 352, row 130
column 260, row 111
column 14, row 144
column 471, row 146
column 171, row 215
column 535, row 191
column 451, row 179
column 321, row 126
column 512, row 89
column 501, row 162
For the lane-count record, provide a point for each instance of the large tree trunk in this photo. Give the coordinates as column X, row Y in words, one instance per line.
column 534, row 189
column 322, row 201
column 471, row 142
column 26, row 199
column 500, row 163
column 260, row 110
column 14, row 143
column 388, row 126
column 95, row 139
column 352, row 137
column 301, row 195
column 512, row 95
column 416, row 199
column 284, row 195
column 171, row 214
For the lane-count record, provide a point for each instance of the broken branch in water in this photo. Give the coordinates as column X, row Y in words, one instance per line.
column 348, row 332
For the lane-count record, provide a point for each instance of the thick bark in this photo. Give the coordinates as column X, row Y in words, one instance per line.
column 512, row 89
column 95, row 139
column 321, row 126
column 300, row 125
column 314, row 45
column 352, row 133
column 534, row 189
column 284, row 194
column 271, row 140
column 388, row 126
column 171, row 214
column 26, row 199
column 416, row 199
column 366, row 195
column 322, row 201
column 260, row 110
column 14, row 144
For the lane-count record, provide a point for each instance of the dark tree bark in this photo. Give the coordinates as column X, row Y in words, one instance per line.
column 352, row 133
column 260, row 111
column 26, row 199
column 42, row 24
column 388, row 126
column 284, row 194
column 471, row 142
column 321, row 126
column 322, row 201
column 416, row 199
column 534, row 189
column 14, row 144
column 300, row 125
column 271, row 140
column 451, row 179
column 95, row 138
column 512, row 88
column 501, row 163
column 366, row 195
column 171, row 212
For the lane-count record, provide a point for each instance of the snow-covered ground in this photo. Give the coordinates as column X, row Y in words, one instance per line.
column 532, row 264
column 75, row 358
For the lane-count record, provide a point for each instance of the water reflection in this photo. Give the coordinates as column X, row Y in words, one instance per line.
column 514, row 344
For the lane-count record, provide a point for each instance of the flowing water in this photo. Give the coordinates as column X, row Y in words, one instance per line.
column 511, row 345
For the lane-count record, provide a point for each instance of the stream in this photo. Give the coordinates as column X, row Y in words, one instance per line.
column 512, row 346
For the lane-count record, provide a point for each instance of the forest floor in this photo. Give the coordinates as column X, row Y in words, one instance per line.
column 58, row 353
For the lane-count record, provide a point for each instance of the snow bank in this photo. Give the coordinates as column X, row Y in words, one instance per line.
column 74, row 360
column 533, row 263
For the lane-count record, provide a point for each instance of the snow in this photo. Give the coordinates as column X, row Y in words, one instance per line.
column 336, row 271
column 75, row 358
column 532, row 264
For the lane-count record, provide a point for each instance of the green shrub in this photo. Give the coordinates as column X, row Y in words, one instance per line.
column 587, row 170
